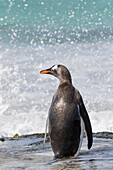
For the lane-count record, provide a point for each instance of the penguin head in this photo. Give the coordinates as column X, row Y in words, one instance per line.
column 59, row 71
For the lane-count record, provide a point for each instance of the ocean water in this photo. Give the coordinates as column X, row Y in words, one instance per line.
column 35, row 35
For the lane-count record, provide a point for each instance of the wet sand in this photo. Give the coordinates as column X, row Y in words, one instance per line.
column 29, row 152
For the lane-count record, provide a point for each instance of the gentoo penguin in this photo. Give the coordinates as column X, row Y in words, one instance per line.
column 67, row 116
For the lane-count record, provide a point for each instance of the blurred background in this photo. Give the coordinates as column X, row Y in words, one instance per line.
column 36, row 34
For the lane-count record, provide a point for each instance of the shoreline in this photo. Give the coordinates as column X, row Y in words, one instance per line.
column 105, row 135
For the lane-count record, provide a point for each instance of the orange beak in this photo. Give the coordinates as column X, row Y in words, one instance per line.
column 47, row 71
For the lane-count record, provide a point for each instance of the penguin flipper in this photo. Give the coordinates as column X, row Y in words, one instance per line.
column 88, row 128
column 47, row 124
column 85, row 117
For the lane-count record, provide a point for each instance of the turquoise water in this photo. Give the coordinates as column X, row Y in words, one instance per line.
column 55, row 21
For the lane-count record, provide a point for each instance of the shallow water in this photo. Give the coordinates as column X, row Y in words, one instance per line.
column 35, row 35
column 29, row 153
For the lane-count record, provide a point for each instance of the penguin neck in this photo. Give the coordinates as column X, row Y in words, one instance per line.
column 62, row 81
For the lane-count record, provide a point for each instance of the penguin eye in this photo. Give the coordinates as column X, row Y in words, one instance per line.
column 54, row 71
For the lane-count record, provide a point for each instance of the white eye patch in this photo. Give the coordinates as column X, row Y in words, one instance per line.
column 55, row 67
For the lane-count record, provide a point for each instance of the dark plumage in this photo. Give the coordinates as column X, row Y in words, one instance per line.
column 65, row 116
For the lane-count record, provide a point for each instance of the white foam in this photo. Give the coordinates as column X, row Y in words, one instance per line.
column 25, row 94
column 102, row 121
